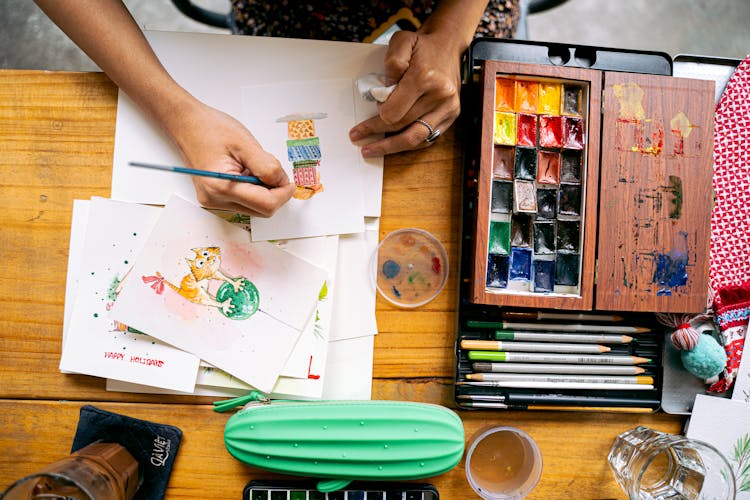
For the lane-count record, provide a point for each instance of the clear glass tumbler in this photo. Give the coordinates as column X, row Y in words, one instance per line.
column 652, row 465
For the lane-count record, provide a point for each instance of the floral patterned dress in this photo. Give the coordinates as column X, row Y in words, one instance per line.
column 355, row 21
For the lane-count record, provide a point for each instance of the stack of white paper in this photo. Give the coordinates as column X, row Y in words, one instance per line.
column 132, row 312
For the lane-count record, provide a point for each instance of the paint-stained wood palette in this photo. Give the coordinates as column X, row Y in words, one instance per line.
column 562, row 225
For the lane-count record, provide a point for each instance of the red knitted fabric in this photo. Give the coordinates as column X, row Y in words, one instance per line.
column 729, row 271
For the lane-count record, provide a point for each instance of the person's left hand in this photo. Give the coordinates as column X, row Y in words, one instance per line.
column 429, row 81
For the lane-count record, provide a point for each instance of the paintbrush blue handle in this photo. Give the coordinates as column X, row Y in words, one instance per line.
column 202, row 173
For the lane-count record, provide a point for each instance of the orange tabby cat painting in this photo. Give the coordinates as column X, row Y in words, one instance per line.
column 236, row 298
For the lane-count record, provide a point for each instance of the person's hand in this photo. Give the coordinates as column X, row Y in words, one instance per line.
column 211, row 140
column 429, row 80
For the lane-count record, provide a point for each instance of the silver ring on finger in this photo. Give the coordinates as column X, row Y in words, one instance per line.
column 434, row 133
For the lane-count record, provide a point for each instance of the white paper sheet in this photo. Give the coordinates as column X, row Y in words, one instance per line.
column 349, row 369
column 726, row 425
column 253, row 349
column 354, row 304
column 337, row 208
column 348, row 375
column 94, row 344
column 214, row 68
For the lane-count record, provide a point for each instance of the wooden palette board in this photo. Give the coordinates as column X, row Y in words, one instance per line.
column 631, row 232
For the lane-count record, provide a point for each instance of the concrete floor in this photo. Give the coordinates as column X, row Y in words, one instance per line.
column 719, row 28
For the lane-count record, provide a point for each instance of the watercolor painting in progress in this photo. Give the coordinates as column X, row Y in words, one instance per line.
column 305, row 125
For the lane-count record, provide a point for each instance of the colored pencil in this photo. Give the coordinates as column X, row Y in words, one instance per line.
column 560, row 399
column 539, row 357
column 562, row 337
column 586, row 379
column 498, row 345
column 503, row 406
column 542, row 316
column 519, row 384
column 201, row 173
column 573, row 327
column 561, row 368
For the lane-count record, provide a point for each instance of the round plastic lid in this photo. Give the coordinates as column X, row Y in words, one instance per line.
column 410, row 267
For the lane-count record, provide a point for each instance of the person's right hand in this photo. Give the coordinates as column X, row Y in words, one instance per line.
column 209, row 139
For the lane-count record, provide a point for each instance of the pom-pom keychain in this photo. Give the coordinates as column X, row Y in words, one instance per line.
column 701, row 354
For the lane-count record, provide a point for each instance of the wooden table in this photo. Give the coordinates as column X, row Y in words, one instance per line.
column 56, row 143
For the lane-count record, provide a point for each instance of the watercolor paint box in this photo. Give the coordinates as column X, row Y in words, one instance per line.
column 592, row 187
column 586, row 189
column 305, row 490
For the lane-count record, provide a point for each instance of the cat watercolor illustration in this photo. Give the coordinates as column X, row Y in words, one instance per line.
column 204, row 267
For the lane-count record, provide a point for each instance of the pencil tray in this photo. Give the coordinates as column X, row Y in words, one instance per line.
column 341, row 441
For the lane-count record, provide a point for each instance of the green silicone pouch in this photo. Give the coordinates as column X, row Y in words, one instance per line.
column 346, row 440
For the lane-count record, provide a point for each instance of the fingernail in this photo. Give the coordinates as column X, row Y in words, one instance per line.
column 355, row 135
column 368, row 152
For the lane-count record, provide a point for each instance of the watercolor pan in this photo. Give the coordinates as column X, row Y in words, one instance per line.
column 502, row 197
column 306, row 490
column 548, row 167
column 505, row 128
column 526, row 130
column 527, row 96
column 503, row 162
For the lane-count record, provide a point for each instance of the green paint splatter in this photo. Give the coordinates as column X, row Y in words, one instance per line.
column 96, row 315
column 675, row 189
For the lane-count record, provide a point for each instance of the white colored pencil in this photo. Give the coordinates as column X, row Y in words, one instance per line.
column 480, row 366
column 500, row 345
column 517, row 384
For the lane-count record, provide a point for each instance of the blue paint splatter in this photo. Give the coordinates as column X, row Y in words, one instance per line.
column 391, row 269
column 396, row 292
column 671, row 272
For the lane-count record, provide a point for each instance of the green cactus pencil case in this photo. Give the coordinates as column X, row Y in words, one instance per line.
column 342, row 441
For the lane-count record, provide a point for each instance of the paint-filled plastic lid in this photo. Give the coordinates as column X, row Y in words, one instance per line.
column 410, row 267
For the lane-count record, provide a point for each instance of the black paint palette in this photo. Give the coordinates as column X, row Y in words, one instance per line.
column 538, row 175
column 305, row 490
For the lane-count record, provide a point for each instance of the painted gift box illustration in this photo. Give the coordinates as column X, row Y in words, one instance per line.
column 303, row 150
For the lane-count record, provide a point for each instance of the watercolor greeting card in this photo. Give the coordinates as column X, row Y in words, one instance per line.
column 306, row 126
column 202, row 286
column 94, row 344
column 725, row 424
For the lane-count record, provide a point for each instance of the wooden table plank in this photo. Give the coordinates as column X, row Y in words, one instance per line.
column 56, row 138
column 574, row 448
